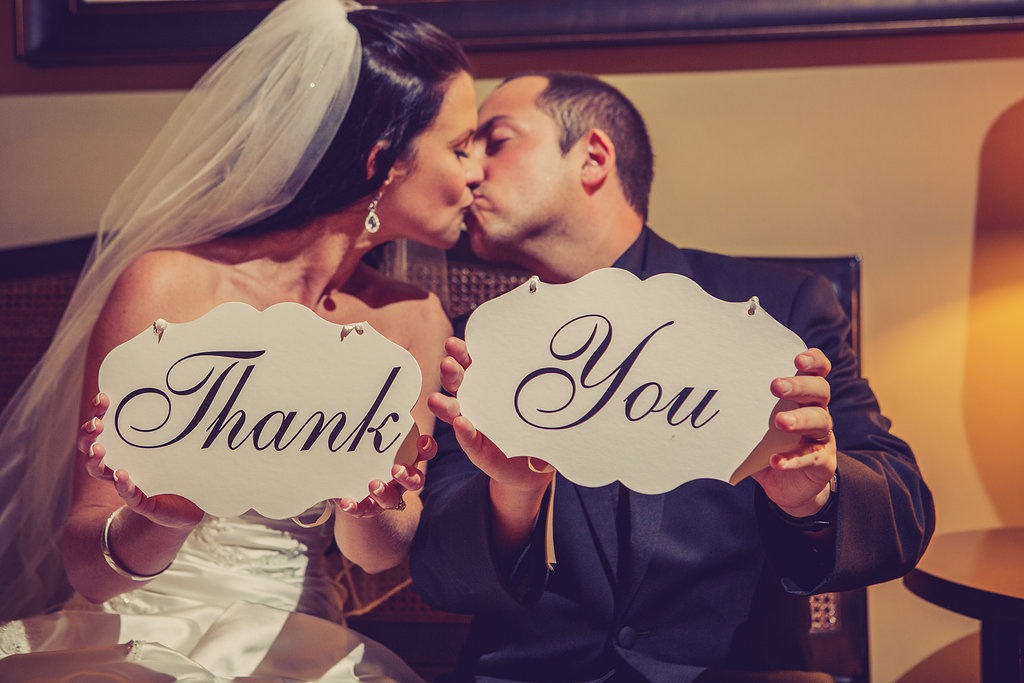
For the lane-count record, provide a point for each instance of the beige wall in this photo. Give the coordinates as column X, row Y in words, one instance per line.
column 879, row 160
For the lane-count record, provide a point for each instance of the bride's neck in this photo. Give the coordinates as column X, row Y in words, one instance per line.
column 303, row 263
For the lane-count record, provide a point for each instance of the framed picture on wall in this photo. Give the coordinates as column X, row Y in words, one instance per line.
column 144, row 31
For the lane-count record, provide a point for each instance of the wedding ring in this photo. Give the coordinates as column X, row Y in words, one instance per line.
column 820, row 439
column 400, row 506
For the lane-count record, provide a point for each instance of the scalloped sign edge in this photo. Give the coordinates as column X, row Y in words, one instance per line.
column 273, row 410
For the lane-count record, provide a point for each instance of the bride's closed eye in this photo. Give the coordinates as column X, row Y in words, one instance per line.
column 462, row 147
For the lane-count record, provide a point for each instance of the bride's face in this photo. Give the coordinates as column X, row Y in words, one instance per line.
column 430, row 192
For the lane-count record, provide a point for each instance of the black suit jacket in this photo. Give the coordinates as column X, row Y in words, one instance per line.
column 707, row 575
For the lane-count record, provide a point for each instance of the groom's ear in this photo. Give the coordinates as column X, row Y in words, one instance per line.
column 599, row 160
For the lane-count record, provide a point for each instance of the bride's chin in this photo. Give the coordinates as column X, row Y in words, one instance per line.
column 452, row 234
column 451, row 238
column 443, row 235
column 442, row 240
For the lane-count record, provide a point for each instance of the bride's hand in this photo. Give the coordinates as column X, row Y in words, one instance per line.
column 88, row 433
column 166, row 510
column 404, row 478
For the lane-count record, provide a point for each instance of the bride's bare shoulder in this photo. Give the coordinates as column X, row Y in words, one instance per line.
column 174, row 279
column 158, row 265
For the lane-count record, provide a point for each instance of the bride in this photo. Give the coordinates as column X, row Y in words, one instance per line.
column 321, row 135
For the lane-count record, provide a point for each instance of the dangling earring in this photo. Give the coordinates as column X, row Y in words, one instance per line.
column 372, row 222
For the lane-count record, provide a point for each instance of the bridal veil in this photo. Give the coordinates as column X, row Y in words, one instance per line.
column 238, row 148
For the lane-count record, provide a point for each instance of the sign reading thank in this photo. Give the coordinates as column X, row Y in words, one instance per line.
column 652, row 383
column 274, row 410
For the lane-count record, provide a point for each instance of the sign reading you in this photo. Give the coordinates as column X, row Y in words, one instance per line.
column 274, row 410
column 652, row 383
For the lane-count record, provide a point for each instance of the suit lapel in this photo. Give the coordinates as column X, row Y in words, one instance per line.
column 659, row 256
column 645, row 523
column 599, row 506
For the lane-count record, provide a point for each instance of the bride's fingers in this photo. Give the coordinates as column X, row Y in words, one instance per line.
column 129, row 492
column 88, row 433
column 100, row 404
column 426, row 448
column 387, row 496
column 94, row 465
column 409, row 478
column 346, row 505
column 364, row 508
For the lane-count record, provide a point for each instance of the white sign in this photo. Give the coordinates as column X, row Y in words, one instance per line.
column 274, row 411
column 652, row 383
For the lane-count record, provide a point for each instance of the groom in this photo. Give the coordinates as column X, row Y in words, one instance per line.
column 673, row 587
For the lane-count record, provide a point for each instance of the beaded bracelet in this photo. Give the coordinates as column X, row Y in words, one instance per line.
column 112, row 561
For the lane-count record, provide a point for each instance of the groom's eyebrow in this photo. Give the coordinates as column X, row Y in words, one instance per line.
column 486, row 126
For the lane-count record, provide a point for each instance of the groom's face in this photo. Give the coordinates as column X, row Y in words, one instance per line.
column 526, row 178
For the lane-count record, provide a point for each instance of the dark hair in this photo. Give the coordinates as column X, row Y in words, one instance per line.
column 579, row 102
column 407, row 65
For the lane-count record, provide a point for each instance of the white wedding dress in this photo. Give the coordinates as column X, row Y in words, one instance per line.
column 246, row 599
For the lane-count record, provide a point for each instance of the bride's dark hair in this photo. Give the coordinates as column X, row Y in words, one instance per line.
column 407, row 66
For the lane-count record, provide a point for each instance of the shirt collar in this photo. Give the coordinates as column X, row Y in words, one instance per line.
column 634, row 258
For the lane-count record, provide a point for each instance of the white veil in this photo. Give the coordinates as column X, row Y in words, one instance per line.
column 237, row 149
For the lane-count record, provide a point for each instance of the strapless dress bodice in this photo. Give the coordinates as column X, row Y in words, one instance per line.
column 250, row 558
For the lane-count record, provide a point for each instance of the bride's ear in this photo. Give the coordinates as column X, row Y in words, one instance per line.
column 371, row 160
column 398, row 168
